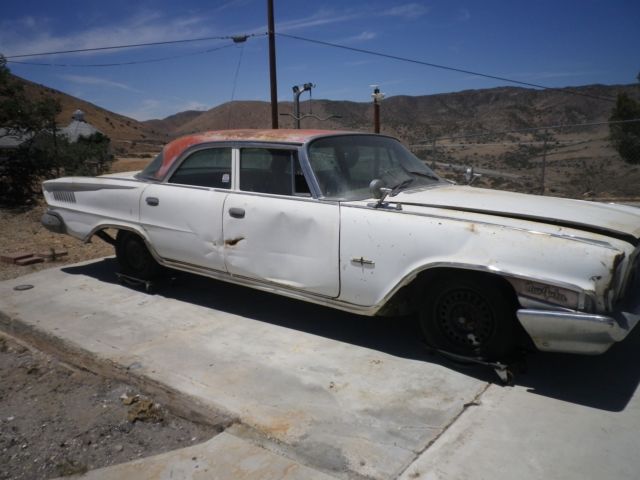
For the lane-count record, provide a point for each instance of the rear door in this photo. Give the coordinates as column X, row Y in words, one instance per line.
column 183, row 217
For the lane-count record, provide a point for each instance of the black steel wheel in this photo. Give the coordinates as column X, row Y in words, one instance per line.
column 469, row 315
column 134, row 257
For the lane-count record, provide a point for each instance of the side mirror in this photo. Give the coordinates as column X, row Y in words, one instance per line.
column 375, row 187
column 379, row 192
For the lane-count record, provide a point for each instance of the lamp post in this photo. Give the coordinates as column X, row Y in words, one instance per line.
column 297, row 91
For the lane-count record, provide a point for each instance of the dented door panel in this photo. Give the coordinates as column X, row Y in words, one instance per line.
column 186, row 224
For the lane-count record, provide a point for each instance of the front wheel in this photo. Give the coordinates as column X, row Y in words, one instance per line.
column 470, row 315
column 134, row 257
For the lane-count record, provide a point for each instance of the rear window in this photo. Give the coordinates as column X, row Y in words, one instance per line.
column 150, row 172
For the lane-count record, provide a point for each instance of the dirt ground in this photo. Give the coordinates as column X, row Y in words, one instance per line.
column 56, row 420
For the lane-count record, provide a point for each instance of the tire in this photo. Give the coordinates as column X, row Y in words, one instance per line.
column 470, row 315
column 134, row 257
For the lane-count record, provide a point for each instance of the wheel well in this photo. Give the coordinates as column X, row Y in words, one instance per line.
column 407, row 299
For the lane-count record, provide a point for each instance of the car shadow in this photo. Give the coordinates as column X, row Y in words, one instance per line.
column 606, row 382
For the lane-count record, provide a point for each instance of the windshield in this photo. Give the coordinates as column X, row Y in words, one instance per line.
column 345, row 165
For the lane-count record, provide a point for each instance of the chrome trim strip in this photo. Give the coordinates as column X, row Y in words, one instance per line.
column 87, row 187
column 270, row 287
column 607, row 232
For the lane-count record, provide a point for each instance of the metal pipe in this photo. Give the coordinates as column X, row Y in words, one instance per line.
column 297, row 91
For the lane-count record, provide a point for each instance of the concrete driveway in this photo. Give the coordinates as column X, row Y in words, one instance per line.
column 349, row 396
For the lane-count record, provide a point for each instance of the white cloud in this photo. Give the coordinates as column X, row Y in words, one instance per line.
column 97, row 81
column 34, row 35
column 358, row 63
column 153, row 108
column 408, row 10
column 193, row 105
column 322, row 17
column 361, row 37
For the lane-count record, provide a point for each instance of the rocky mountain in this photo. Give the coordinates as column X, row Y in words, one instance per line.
column 417, row 118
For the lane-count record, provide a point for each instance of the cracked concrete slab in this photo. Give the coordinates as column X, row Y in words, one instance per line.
column 569, row 418
column 224, row 457
column 352, row 396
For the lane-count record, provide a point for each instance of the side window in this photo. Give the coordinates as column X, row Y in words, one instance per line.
column 269, row 170
column 205, row 168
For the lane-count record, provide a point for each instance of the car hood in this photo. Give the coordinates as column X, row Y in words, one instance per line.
column 620, row 221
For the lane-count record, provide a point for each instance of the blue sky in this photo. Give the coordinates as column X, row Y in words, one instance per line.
column 554, row 43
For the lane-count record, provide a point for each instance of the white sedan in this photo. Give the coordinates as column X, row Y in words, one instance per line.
column 356, row 222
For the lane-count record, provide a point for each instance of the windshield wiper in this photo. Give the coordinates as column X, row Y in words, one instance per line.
column 402, row 185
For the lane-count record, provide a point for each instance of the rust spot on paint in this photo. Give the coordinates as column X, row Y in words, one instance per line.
column 175, row 148
column 230, row 242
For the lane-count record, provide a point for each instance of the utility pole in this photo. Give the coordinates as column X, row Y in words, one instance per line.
column 272, row 65
column 297, row 91
column 377, row 98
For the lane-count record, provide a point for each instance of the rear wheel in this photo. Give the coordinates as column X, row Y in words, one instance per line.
column 471, row 315
column 134, row 256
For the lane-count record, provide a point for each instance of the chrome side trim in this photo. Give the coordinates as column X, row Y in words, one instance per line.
column 606, row 232
column 556, row 331
column 269, row 287
column 87, row 187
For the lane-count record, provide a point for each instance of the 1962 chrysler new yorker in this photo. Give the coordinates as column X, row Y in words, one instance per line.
column 356, row 222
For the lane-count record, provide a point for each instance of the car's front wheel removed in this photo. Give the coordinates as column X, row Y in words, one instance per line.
column 134, row 257
column 470, row 315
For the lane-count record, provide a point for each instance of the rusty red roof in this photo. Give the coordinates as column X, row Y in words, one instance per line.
column 173, row 149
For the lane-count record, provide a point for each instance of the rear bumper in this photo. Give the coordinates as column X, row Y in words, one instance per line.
column 574, row 332
column 53, row 222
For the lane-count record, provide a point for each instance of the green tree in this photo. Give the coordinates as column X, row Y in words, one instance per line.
column 625, row 137
column 27, row 122
column 41, row 152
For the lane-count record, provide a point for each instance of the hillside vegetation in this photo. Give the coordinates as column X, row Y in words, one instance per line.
column 580, row 161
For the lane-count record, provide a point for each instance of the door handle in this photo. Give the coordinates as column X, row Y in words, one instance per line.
column 153, row 201
column 236, row 212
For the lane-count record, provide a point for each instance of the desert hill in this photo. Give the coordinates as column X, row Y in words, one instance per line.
column 125, row 133
column 580, row 161
column 420, row 117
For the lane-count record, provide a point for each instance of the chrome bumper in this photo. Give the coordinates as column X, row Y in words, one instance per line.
column 574, row 332
column 53, row 222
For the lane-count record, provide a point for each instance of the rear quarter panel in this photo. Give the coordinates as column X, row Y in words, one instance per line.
column 86, row 203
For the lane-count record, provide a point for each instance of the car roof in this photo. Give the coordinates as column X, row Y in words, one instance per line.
column 175, row 148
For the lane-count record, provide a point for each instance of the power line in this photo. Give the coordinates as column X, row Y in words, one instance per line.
column 235, row 38
column 134, row 62
column 443, row 67
column 235, row 84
